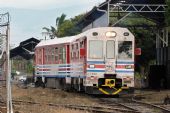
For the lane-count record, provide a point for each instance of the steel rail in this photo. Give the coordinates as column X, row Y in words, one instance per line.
column 96, row 109
column 109, row 103
column 152, row 105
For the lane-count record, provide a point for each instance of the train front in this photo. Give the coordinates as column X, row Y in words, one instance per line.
column 110, row 61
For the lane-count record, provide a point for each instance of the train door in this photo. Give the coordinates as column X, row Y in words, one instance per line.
column 109, row 56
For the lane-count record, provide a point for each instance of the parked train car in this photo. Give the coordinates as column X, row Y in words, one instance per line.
column 97, row 61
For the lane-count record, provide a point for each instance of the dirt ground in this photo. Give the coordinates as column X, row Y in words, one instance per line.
column 54, row 96
column 153, row 96
column 47, row 95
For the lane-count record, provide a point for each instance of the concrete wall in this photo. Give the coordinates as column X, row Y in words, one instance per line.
column 100, row 22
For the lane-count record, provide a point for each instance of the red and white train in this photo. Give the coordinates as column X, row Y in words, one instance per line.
column 97, row 61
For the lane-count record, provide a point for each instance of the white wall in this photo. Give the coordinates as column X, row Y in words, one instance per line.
column 100, row 22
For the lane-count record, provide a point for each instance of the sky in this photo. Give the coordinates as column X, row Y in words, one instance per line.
column 28, row 17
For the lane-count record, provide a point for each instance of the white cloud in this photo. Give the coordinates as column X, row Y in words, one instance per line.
column 27, row 22
column 35, row 4
column 44, row 4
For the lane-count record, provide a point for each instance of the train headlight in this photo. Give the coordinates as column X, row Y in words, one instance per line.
column 91, row 66
column 128, row 66
column 111, row 34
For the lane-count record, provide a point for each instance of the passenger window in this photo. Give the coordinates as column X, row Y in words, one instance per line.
column 62, row 55
column 125, row 49
column 56, row 54
column 95, row 49
column 53, row 54
column 110, row 49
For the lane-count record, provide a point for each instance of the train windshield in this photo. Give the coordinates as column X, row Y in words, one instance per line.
column 110, row 49
column 125, row 50
column 96, row 49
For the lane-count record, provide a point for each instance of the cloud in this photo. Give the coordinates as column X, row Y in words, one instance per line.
column 44, row 4
column 28, row 17
column 28, row 4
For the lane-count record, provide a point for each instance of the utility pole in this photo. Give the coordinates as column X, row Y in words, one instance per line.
column 5, row 33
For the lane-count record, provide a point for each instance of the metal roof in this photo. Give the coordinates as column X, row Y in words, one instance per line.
column 25, row 49
column 155, row 16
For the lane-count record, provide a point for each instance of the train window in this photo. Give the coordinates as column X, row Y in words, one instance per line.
column 53, row 54
column 72, row 55
column 77, row 46
column 40, row 56
column 77, row 54
column 56, row 54
column 110, row 49
column 62, row 55
column 72, row 46
column 125, row 49
column 82, row 44
column 46, row 55
column 96, row 49
column 49, row 55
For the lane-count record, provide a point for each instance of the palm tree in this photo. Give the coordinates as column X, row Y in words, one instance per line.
column 53, row 32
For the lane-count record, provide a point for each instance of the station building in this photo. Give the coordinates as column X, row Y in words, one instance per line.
column 22, row 56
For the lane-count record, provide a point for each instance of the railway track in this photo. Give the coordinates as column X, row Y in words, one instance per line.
column 91, row 109
column 131, row 103
column 115, row 104
column 106, row 105
column 151, row 105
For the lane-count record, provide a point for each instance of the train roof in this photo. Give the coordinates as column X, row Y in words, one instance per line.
column 70, row 39
column 57, row 41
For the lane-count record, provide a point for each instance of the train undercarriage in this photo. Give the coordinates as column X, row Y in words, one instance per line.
column 106, row 86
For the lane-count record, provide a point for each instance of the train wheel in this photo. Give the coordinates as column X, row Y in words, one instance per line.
column 43, row 85
column 36, row 84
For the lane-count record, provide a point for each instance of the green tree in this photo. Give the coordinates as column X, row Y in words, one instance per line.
column 65, row 27
column 53, row 31
column 29, row 67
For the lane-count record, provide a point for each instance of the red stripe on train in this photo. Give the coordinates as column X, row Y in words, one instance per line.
column 43, row 69
column 97, row 66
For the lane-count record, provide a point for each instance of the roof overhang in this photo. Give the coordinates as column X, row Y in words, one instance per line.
column 25, row 49
column 155, row 16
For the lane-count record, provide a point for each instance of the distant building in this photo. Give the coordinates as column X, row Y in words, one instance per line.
column 22, row 56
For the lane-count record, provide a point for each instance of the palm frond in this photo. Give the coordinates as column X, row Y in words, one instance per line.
column 47, row 29
column 61, row 19
column 53, row 30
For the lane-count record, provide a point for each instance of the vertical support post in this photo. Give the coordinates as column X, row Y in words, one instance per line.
column 157, row 48
column 167, row 41
column 164, row 37
column 8, row 70
column 108, row 13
